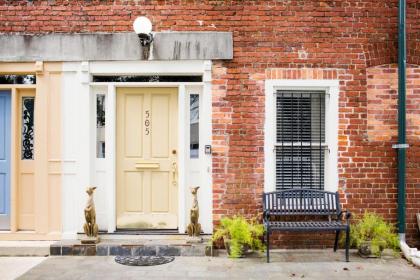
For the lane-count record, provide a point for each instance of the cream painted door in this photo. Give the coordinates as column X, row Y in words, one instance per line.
column 147, row 190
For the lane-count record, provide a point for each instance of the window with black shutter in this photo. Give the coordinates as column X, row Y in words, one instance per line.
column 300, row 139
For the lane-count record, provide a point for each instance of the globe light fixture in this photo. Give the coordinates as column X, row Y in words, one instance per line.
column 143, row 28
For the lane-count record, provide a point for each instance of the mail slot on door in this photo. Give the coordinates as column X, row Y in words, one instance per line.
column 147, row 165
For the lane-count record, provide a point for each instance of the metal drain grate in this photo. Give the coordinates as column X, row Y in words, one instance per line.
column 143, row 260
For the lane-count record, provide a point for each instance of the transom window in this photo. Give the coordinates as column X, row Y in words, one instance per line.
column 300, row 146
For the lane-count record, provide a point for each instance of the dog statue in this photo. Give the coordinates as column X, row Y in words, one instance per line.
column 90, row 227
column 194, row 228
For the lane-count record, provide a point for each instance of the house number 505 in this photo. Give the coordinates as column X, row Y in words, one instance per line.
column 147, row 123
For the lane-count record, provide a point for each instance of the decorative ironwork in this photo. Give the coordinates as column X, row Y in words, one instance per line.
column 154, row 78
column 18, row 79
column 28, row 104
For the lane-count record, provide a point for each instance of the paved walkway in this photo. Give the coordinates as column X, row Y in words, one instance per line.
column 25, row 248
column 314, row 264
column 13, row 267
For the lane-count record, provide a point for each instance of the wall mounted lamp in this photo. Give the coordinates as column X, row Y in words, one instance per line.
column 143, row 28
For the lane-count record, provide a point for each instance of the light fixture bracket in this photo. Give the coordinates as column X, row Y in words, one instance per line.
column 145, row 39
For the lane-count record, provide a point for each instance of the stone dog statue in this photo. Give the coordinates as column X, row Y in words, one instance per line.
column 194, row 228
column 90, row 227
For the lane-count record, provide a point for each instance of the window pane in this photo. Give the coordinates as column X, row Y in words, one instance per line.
column 299, row 167
column 300, row 137
column 28, row 104
column 18, row 79
column 194, row 125
column 100, row 126
column 300, row 117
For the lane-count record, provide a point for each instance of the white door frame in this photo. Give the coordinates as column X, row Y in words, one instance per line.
column 80, row 166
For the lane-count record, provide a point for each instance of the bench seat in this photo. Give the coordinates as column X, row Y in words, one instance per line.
column 308, row 226
column 323, row 208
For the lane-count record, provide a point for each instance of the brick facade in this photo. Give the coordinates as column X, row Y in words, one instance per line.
column 382, row 96
column 347, row 40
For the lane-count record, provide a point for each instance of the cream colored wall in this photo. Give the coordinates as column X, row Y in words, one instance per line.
column 46, row 182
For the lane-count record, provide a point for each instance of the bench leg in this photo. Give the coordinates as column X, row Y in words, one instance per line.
column 347, row 243
column 337, row 235
column 268, row 244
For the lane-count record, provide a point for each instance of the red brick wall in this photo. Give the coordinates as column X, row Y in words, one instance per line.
column 348, row 36
column 382, row 95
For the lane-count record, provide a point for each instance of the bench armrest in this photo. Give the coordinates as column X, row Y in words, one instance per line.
column 266, row 216
column 345, row 214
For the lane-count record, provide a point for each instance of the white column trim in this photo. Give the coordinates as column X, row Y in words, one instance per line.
column 110, row 155
column 181, row 158
column 207, row 132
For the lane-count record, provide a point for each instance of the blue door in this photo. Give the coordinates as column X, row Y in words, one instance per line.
column 5, row 160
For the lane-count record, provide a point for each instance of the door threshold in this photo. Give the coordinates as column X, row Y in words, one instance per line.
column 147, row 232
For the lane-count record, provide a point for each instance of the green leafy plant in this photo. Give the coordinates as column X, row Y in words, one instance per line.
column 372, row 229
column 239, row 234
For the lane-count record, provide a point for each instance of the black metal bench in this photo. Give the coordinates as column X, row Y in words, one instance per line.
column 305, row 202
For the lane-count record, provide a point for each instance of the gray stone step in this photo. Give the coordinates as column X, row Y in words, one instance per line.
column 150, row 246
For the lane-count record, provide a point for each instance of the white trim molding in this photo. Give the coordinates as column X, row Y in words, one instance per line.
column 331, row 88
column 79, row 139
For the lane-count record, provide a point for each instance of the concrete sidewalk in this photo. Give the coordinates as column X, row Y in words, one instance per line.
column 309, row 264
column 13, row 267
column 25, row 248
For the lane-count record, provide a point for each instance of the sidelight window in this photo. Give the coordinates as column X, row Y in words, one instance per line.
column 194, row 125
column 100, row 125
column 28, row 106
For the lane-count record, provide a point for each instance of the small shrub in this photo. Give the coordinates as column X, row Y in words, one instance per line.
column 241, row 234
column 374, row 229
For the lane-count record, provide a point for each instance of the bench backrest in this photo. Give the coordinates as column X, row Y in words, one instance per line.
column 301, row 202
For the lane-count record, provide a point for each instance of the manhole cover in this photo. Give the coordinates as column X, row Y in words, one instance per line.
column 142, row 260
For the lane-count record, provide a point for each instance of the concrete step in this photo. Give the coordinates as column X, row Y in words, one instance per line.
column 150, row 245
column 25, row 248
column 144, row 237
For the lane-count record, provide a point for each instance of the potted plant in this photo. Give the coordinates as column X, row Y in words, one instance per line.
column 372, row 234
column 239, row 235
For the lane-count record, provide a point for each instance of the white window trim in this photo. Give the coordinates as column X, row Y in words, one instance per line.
column 331, row 88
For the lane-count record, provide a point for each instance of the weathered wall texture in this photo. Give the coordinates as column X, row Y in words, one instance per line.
column 382, row 95
column 349, row 36
column 115, row 46
column 382, row 99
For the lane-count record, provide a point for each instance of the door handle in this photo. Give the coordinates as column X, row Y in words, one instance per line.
column 174, row 172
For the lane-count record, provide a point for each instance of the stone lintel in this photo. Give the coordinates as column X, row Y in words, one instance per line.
column 115, row 46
